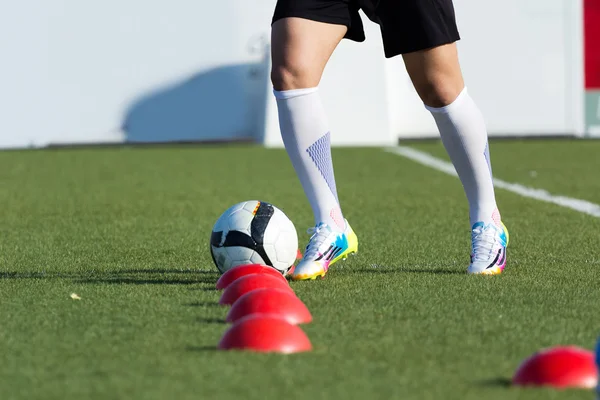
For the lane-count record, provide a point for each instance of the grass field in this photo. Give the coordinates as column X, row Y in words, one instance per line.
column 127, row 230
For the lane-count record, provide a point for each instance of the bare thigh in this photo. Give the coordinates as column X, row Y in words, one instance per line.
column 436, row 74
column 300, row 50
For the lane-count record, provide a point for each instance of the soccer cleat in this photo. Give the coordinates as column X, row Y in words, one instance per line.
column 488, row 243
column 325, row 247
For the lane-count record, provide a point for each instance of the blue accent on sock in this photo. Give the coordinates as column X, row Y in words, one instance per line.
column 320, row 153
column 486, row 154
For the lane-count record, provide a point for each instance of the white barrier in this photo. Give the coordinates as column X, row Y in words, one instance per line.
column 81, row 72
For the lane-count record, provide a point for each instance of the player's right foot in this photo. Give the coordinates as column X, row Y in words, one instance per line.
column 324, row 249
column 489, row 241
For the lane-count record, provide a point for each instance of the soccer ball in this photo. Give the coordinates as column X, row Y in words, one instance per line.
column 254, row 232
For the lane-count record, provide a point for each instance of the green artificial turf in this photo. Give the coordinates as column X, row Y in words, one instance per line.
column 127, row 230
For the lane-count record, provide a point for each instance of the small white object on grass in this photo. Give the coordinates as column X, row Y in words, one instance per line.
column 75, row 296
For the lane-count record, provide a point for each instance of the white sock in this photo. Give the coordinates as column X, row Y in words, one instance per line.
column 463, row 132
column 305, row 134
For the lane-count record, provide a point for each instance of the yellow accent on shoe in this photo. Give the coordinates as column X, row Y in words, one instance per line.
column 505, row 231
column 492, row 271
column 318, row 268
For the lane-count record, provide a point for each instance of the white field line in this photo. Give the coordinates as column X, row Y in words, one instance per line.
column 427, row 159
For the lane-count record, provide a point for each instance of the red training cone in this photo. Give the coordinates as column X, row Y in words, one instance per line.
column 243, row 270
column 560, row 367
column 276, row 302
column 265, row 333
column 247, row 283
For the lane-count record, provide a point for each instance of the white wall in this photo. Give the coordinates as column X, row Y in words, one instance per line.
column 71, row 70
column 74, row 71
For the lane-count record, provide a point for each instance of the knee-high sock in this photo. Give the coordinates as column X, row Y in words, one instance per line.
column 463, row 132
column 305, row 134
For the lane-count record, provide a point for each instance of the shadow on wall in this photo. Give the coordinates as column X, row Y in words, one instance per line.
column 225, row 103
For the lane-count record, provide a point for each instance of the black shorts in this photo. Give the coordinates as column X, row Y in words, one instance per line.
column 406, row 25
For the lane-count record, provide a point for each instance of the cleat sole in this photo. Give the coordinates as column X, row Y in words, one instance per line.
column 491, row 271
column 308, row 277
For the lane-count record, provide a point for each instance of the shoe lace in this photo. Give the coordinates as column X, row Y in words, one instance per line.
column 484, row 241
column 317, row 238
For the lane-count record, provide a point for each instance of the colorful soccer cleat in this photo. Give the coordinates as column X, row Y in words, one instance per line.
column 325, row 247
column 488, row 243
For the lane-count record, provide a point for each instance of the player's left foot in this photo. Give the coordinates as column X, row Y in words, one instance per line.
column 324, row 249
column 489, row 241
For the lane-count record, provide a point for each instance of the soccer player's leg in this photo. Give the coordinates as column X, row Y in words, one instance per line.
column 425, row 34
column 437, row 77
column 300, row 50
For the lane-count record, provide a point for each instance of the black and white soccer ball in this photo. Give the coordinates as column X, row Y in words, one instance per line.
column 254, row 232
